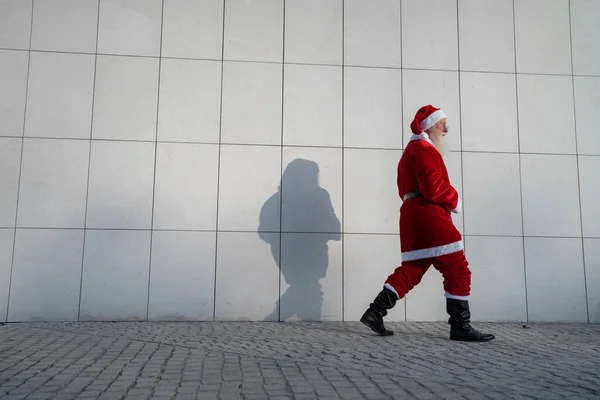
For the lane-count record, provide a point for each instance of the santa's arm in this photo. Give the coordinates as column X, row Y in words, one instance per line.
column 431, row 184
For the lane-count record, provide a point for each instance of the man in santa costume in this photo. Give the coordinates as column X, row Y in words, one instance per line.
column 427, row 234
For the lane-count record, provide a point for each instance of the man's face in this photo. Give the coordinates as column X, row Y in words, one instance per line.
column 444, row 126
column 437, row 134
column 439, row 129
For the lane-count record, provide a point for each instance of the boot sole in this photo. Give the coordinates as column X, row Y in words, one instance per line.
column 388, row 333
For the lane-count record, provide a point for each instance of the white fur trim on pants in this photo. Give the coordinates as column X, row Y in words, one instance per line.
column 452, row 296
column 433, row 251
column 433, row 119
column 388, row 286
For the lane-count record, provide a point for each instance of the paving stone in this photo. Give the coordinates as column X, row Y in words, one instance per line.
column 213, row 360
column 207, row 396
column 14, row 397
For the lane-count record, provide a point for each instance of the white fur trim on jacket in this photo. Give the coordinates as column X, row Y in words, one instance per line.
column 422, row 136
column 433, row 119
column 433, row 251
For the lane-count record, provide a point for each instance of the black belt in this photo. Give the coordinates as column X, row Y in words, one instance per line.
column 410, row 195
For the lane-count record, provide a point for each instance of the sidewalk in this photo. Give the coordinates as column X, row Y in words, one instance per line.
column 247, row 360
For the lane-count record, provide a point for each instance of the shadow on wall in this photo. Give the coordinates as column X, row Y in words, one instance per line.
column 301, row 254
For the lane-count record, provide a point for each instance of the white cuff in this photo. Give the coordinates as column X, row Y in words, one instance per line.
column 458, row 208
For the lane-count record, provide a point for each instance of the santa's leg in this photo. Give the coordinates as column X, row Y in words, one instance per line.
column 457, row 285
column 396, row 287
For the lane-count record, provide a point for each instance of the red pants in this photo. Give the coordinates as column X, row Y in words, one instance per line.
column 454, row 268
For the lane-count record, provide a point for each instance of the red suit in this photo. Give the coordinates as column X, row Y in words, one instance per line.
column 427, row 234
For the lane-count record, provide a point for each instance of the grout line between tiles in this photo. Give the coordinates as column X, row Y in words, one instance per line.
column 284, row 232
column 402, row 116
column 162, row 14
column 87, row 190
column 343, row 153
column 462, row 168
column 294, row 146
column 279, row 255
column 520, row 164
column 519, row 152
column 279, row 271
column 219, row 169
column 301, row 63
column 12, row 262
column 587, row 305
column 13, row 49
column 402, row 145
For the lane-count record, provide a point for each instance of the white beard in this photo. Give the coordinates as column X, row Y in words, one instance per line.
column 440, row 144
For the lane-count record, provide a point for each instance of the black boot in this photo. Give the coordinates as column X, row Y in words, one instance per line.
column 373, row 317
column 460, row 327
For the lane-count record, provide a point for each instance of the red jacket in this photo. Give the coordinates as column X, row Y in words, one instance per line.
column 426, row 227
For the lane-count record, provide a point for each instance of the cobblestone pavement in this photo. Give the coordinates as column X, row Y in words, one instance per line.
column 247, row 360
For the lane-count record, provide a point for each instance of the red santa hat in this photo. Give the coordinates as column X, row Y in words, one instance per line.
column 425, row 118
